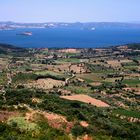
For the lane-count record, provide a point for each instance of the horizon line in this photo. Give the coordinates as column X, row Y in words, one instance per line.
column 130, row 22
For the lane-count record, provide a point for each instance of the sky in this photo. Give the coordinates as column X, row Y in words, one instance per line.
column 70, row 10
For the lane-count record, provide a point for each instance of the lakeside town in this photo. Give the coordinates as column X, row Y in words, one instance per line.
column 76, row 25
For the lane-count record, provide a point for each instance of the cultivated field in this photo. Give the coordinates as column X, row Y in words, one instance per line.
column 117, row 63
column 70, row 94
column 47, row 83
column 86, row 99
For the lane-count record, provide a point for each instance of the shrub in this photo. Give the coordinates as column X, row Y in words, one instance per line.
column 78, row 130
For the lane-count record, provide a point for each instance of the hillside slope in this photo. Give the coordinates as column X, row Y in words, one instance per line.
column 7, row 49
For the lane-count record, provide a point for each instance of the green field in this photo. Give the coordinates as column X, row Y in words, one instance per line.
column 90, row 77
column 3, row 78
column 132, row 82
column 71, row 60
column 46, row 72
column 79, row 89
column 127, row 113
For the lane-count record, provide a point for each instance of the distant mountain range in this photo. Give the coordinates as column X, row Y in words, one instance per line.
column 77, row 25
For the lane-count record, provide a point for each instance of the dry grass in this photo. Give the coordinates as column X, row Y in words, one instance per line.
column 117, row 63
column 86, row 99
column 54, row 120
column 67, row 67
column 90, row 77
column 46, row 83
column 5, row 115
column 96, row 84
column 3, row 63
column 114, row 63
column 84, row 124
column 68, row 51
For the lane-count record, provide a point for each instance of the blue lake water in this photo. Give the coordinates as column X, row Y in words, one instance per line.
column 70, row 37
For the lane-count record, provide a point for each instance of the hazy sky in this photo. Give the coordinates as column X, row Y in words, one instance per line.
column 69, row 10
